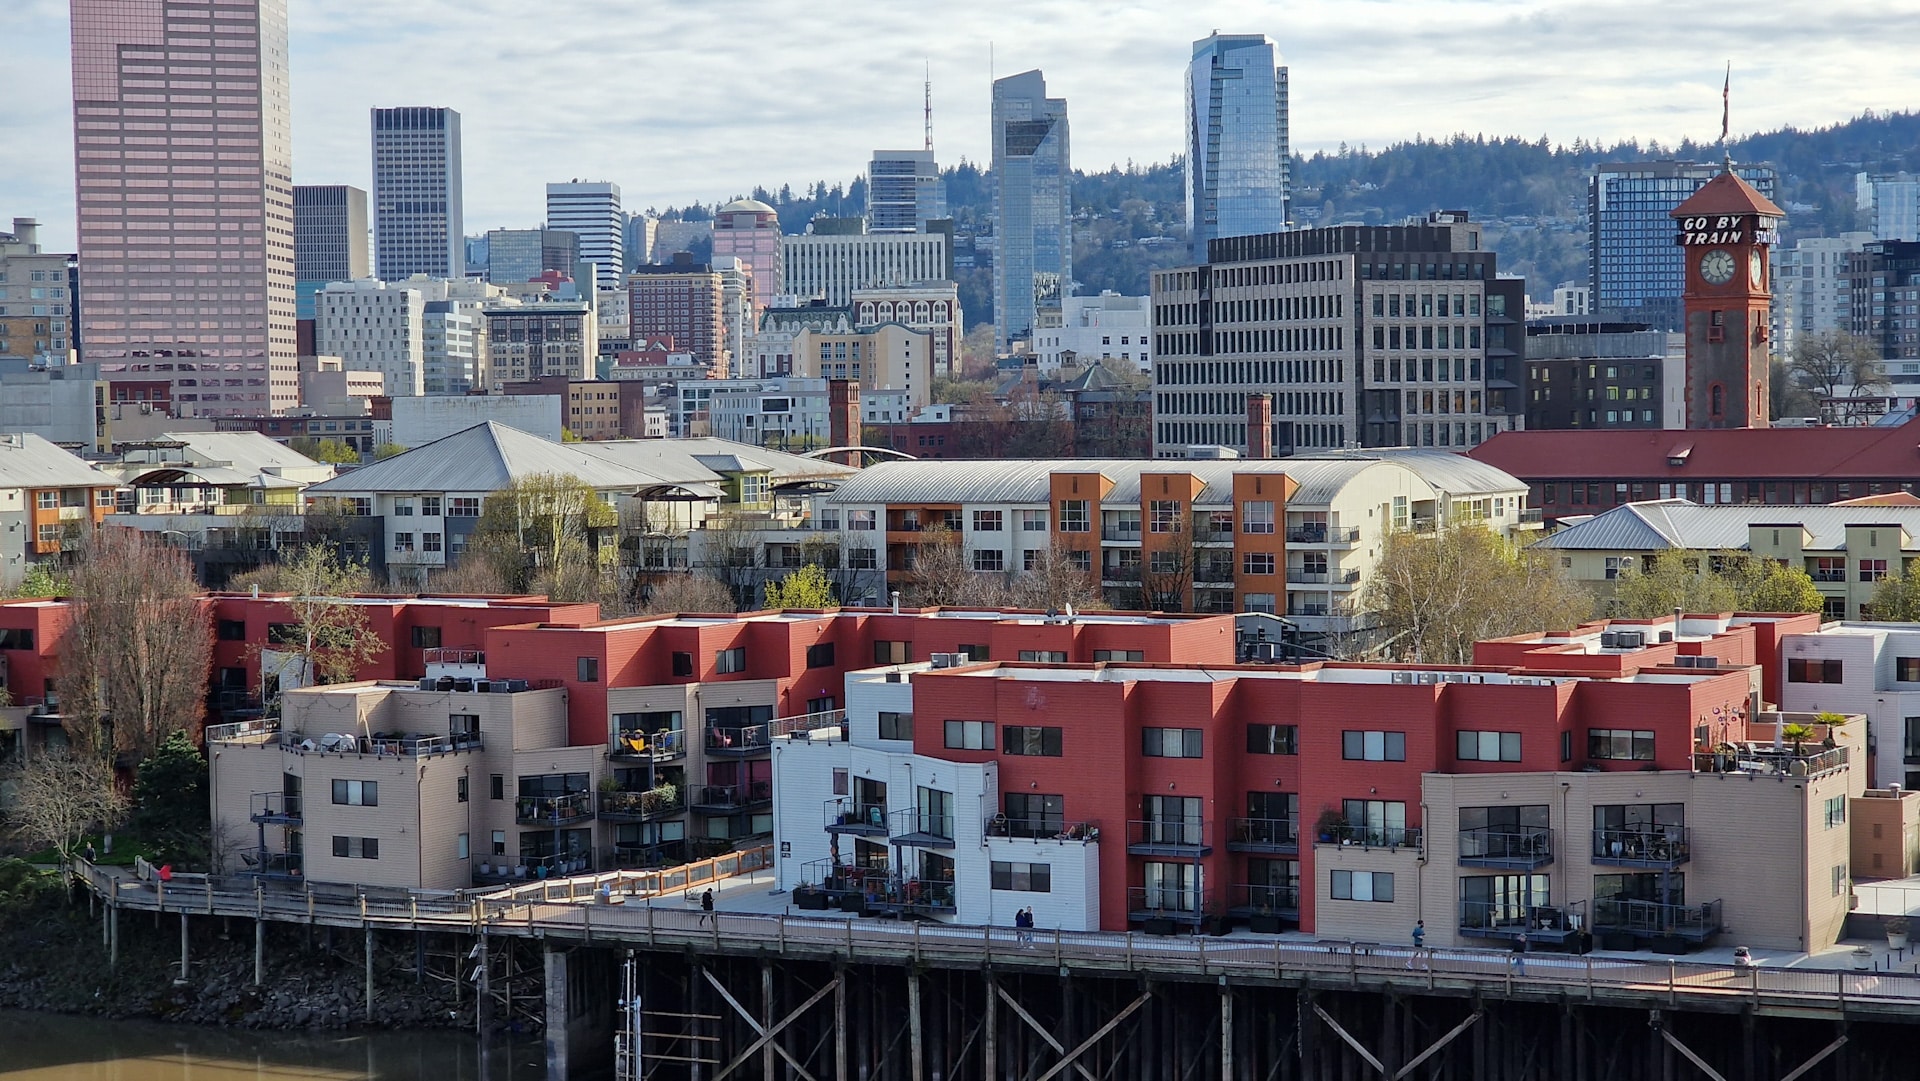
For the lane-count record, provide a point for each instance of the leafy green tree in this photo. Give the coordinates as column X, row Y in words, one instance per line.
column 1433, row 595
column 1676, row 580
column 387, row 450
column 170, row 799
column 807, row 587
column 1764, row 585
column 1897, row 598
column 332, row 451
column 43, row 580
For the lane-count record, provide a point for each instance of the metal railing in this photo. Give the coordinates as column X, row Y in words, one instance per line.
column 1654, row 846
column 845, row 815
column 644, row 804
column 254, row 731
column 274, row 807
column 634, row 855
column 1167, row 902
column 262, row 863
column 910, row 825
column 1213, row 574
column 1258, row 899
column 1042, row 828
column 348, row 743
column 1296, row 576
column 751, row 739
column 1545, row 922
column 728, row 798
column 1651, row 918
column 1503, row 847
column 1167, row 833
column 1263, row 834
column 661, row 746
column 553, row 810
column 1376, row 836
column 1117, row 573
column 808, row 722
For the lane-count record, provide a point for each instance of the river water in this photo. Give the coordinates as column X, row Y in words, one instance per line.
column 47, row 1047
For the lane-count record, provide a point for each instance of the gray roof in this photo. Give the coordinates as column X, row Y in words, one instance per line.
column 248, row 452
column 1678, row 523
column 28, row 461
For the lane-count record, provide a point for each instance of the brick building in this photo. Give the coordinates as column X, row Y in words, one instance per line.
column 682, row 300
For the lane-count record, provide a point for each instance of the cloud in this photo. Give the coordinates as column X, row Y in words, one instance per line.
column 682, row 100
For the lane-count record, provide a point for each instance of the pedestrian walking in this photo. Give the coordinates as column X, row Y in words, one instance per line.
column 706, row 908
column 1520, row 955
column 1419, row 947
column 90, row 854
column 1023, row 928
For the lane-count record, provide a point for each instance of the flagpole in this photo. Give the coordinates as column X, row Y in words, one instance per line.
column 1726, row 101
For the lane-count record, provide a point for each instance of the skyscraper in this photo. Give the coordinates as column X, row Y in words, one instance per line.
column 1238, row 181
column 329, row 239
column 749, row 230
column 1637, row 269
column 590, row 210
column 416, row 193
column 1032, row 169
column 904, row 191
column 186, row 249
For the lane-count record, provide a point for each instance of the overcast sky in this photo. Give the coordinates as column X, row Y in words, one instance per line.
column 682, row 100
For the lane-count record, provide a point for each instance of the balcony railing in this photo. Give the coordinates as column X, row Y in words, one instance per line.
column 1829, row 576
column 720, row 799
column 1500, row 847
column 1376, row 836
column 631, row 856
column 1121, row 574
column 1255, row 899
column 1654, row 846
column 459, row 657
column 925, row 829
column 275, row 808
column 656, row 802
column 395, row 744
column 663, row 746
column 845, row 815
column 1183, row 837
column 1761, row 758
column 553, row 810
column 1180, row 904
column 1543, row 923
column 254, row 731
column 1213, row 574
column 1263, row 835
column 808, row 722
column 737, row 742
column 1296, row 576
column 264, row 864
column 1052, row 829
column 1649, row 919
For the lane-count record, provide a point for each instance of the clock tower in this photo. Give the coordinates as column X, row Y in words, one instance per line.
column 1726, row 229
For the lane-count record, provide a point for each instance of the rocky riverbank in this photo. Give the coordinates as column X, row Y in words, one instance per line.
column 51, row 958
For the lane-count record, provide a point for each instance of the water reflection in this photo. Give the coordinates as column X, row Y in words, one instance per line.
column 43, row 1047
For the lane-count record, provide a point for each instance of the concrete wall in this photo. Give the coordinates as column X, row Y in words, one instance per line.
column 1886, row 833
column 418, row 421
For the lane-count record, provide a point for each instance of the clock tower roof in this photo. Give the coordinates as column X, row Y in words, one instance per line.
column 1727, row 194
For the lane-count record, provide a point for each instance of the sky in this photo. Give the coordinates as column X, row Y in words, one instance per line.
column 685, row 100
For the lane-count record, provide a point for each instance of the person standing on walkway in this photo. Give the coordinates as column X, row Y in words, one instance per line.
column 1419, row 947
column 706, row 908
column 1520, row 955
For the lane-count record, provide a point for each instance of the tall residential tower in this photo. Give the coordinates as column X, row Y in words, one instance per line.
column 1238, row 181
column 1032, row 204
column 186, row 248
column 416, row 193
column 1638, row 272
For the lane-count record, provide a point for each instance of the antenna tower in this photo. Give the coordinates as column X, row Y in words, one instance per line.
column 929, row 105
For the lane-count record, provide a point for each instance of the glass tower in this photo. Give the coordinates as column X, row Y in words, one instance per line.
column 1638, row 271
column 1032, row 201
column 1238, row 181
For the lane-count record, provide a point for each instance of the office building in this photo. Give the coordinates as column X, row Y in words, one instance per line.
column 886, row 357
column 330, row 239
column 904, row 191
column 1372, row 336
column 683, row 300
column 1237, row 161
column 1089, row 330
column 1810, row 287
column 521, row 255
column 1638, row 273
column 417, row 193
column 542, row 338
column 829, row 261
column 1893, row 201
column 1883, row 286
column 1582, row 373
column 933, row 307
column 638, row 238
column 39, row 297
column 1032, row 206
column 375, row 326
column 62, row 403
column 590, row 210
column 749, row 230
column 186, row 250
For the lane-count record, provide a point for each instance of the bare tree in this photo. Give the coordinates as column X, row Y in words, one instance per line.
column 330, row 635
column 59, row 797
column 1831, row 363
column 473, row 575
column 1435, row 594
column 852, row 585
column 687, row 591
column 945, row 577
column 1060, row 577
column 730, row 551
column 134, row 661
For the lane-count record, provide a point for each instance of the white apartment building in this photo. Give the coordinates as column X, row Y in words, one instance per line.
column 1894, row 201
column 372, row 325
column 1810, row 286
column 591, row 211
column 930, row 306
column 616, row 330
column 1865, row 668
column 787, row 414
column 1092, row 329
column 831, row 266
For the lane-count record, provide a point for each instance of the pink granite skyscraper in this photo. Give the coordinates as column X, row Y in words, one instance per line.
column 184, row 156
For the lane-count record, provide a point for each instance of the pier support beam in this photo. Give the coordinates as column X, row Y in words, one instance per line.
column 183, row 947
column 367, row 936
column 559, row 1016
column 259, row 952
column 1226, row 1031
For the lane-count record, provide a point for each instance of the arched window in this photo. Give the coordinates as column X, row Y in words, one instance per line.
column 1717, row 406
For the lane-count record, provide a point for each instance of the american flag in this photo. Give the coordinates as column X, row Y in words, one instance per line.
column 1726, row 92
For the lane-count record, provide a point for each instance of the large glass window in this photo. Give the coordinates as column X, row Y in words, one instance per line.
column 1376, row 822
column 1362, row 886
column 1495, row 901
column 1488, row 746
column 1171, row 742
column 1035, row 814
column 1373, row 746
column 1634, row 745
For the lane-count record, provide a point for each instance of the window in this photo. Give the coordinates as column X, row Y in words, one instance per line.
column 896, row 726
column 461, row 847
column 1043, row 742
column 1566, row 746
column 1273, row 739
column 1373, row 746
column 989, row 559
column 970, row 735
column 1033, row 814
column 497, row 787
column 587, row 669
column 1171, row 887
column 840, row 781
column 1043, row 656
column 1023, row 877
column 403, row 508
column 1119, row 655
column 1503, row 901
column 231, row 630
column 430, row 542
column 1803, row 670
column 820, row 656
column 1171, row 742
column 892, row 652
column 426, row 637
column 403, row 542
column 1080, row 560
column 729, row 661
column 860, row 519
column 463, row 507
column 1872, row 570
column 972, row 653
column 363, row 848
column 356, row 793
column 499, row 842
column 1620, row 743
column 1362, row 886
column 1074, row 517
column 460, row 788
column 1836, row 811
column 49, row 500
column 1164, row 516
column 1839, row 879
column 1489, row 746
column 1906, row 669
column 862, row 559
column 430, row 506
column 1257, row 563
column 1033, row 520
column 358, row 506
column 986, row 521
column 1256, row 516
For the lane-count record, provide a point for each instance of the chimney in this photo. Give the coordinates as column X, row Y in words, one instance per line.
column 1259, row 425
column 843, row 418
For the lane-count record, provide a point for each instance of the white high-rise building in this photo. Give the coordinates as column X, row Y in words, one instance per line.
column 830, row 266
column 417, row 194
column 376, row 327
column 1092, row 329
column 1894, row 201
column 1810, row 286
column 590, row 209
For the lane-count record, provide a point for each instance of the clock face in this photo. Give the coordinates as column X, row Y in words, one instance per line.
column 1717, row 267
column 1756, row 269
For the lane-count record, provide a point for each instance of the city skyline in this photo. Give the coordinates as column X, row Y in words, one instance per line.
column 1611, row 73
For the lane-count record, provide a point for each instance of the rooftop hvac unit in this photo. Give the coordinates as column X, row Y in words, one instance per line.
column 1403, row 677
column 1609, row 640
column 426, row 683
column 1683, row 661
column 896, row 677
column 484, row 686
column 1706, row 662
column 1632, row 639
column 947, row 660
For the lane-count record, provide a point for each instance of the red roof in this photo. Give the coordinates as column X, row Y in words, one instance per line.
column 1891, row 453
column 1728, row 194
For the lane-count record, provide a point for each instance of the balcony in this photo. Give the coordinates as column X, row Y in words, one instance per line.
column 726, row 799
column 274, row 809
column 1046, row 829
column 1222, row 574
column 847, row 816
column 1178, row 838
column 804, row 723
column 737, row 742
column 1251, row 899
column 260, row 863
column 553, row 811
column 495, row 870
column 1166, row 904
column 638, row 746
column 1829, row 576
column 659, row 801
column 1121, row 574
column 1652, row 919
column 1523, row 849
column 1659, row 847
column 923, row 829
column 1508, row 920
column 380, row 743
column 1374, row 836
column 637, row 856
column 1264, row 835
column 1299, row 577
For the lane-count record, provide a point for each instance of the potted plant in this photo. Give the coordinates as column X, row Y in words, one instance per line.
column 1263, row 921
column 1896, row 929
column 1329, row 825
column 1798, row 735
